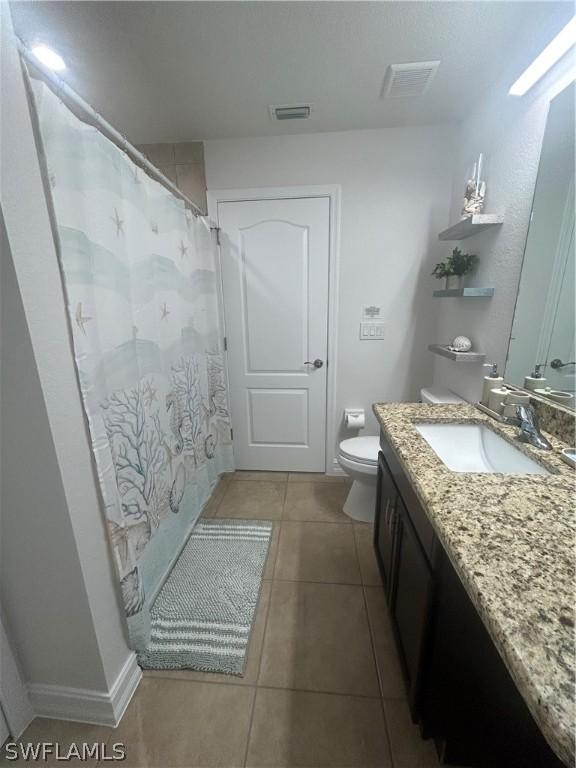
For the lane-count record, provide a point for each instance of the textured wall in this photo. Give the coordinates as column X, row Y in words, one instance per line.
column 40, row 582
column 183, row 164
column 395, row 186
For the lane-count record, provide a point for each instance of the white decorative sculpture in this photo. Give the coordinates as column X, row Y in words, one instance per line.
column 461, row 344
column 475, row 191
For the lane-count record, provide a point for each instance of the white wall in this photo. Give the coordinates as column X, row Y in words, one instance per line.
column 395, row 186
column 58, row 587
column 509, row 131
column 41, row 587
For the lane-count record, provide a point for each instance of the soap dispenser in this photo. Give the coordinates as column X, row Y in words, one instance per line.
column 492, row 381
column 535, row 380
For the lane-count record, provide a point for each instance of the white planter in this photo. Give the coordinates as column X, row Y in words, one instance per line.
column 454, row 282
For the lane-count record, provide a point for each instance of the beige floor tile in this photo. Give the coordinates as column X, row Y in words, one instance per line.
column 364, row 534
column 317, row 639
column 316, row 477
column 252, row 659
column 63, row 733
column 183, row 723
column 389, row 670
column 268, row 574
column 211, row 509
column 252, row 500
column 316, row 502
column 317, row 552
column 272, row 477
column 409, row 750
column 217, row 495
column 293, row 728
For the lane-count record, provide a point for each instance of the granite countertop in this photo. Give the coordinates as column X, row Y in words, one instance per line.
column 511, row 540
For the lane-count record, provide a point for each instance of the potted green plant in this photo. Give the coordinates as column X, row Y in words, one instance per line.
column 456, row 266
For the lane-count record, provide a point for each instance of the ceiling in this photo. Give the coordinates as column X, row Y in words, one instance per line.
column 177, row 71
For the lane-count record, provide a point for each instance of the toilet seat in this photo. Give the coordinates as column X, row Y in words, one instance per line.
column 361, row 450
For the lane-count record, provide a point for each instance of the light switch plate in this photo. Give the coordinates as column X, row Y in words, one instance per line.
column 371, row 331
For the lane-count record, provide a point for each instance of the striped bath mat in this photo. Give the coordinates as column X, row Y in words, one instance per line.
column 203, row 614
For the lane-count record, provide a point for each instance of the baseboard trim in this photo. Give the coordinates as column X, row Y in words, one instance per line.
column 83, row 705
column 336, row 470
column 125, row 687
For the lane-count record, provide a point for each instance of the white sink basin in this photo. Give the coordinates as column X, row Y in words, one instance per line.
column 475, row 448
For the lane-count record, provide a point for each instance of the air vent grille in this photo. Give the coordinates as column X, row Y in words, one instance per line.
column 406, row 80
column 290, row 111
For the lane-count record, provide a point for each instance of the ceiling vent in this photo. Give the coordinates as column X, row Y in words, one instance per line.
column 290, row 111
column 405, row 80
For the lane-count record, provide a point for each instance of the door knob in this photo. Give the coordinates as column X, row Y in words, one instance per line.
column 317, row 363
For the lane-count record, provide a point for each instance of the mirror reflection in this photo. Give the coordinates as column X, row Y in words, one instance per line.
column 542, row 343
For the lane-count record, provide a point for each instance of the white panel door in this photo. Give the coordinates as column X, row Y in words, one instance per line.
column 275, row 256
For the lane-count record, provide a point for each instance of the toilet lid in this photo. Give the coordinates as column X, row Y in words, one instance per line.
column 364, row 449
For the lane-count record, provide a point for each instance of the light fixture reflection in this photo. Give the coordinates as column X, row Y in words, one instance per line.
column 553, row 52
column 49, row 58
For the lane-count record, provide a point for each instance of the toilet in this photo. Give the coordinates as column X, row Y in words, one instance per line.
column 358, row 457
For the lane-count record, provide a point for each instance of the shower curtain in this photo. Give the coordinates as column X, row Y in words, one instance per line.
column 138, row 273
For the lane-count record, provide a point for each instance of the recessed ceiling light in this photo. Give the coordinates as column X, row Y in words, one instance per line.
column 49, row 57
column 553, row 52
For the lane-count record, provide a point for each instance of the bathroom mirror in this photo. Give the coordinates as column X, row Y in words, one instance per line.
column 544, row 318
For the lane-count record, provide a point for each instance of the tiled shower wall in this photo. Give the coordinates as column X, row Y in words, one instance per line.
column 183, row 164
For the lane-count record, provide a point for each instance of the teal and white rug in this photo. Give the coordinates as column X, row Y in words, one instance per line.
column 203, row 614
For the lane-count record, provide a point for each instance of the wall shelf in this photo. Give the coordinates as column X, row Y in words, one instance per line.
column 463, row 293
column 458, row 357
column 471, row 226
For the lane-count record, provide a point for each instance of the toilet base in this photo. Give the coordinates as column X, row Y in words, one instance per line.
column 361, row 501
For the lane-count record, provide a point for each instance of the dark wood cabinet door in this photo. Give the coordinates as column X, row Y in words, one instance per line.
column 412, row 601
column 385, row 526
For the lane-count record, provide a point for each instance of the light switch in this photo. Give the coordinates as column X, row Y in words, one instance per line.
column 371, row 331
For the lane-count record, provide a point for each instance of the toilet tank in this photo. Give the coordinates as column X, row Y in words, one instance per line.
column 439, row 395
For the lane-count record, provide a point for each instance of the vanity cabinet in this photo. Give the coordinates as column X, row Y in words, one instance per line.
column 407, row 577
column 386, row 522
column 459, row 689
column 412, row 601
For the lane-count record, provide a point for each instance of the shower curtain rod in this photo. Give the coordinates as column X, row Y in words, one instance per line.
column 104, row 126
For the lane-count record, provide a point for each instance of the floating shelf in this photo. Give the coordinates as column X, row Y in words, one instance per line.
column 471, row 226
column 458, row 357
column 463, row 293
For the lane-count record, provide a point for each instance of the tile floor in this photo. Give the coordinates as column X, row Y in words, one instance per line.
column 322, row 684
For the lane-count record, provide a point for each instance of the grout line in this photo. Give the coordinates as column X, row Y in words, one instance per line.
column 371, row 697
column 274, row 565
column 370, row 633
column 170, row 674
column 372, row 638
column 324, row 583
column 387, row 729
column 283, row 502
column 347, row 522
column 250, row 721
column 378, row 675
column 264, row 632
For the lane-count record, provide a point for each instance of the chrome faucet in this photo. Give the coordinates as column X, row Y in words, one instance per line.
column 527, row 422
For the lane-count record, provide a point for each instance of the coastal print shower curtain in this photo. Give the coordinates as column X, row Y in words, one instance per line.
column 138, row 272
